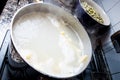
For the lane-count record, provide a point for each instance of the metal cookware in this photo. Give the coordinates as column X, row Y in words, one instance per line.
column 43, row 7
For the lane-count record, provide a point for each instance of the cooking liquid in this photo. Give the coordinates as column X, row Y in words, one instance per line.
column 49, row 44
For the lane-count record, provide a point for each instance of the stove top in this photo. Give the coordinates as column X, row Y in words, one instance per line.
column 97, row 70
column 104, row 65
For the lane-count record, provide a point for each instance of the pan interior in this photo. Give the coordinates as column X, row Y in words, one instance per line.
column 50, row 44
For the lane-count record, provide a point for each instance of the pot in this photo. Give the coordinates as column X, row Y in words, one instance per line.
column 48, row 8
column 88, row 21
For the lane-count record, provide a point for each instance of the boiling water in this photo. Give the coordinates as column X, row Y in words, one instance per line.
column 49, row 44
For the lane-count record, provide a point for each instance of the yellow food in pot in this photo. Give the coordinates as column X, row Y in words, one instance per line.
column 91, row 11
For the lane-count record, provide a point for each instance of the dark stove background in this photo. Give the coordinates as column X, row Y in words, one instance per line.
column 112, row 8
column 2, row 4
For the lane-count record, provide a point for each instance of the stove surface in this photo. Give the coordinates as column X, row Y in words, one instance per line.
column 105, row 63
column 97, row 69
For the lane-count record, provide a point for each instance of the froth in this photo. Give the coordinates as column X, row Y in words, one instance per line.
column 49, row 44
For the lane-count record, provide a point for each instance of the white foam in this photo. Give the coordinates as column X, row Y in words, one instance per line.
column 48, row 44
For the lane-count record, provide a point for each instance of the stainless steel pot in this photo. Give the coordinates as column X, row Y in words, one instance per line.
column 89, row 22
column 42, row 7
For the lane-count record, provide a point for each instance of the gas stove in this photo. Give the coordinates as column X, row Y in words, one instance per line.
column 104, row 65
column 98, row 68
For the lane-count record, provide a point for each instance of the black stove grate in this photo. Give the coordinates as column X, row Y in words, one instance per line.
column 102, row 68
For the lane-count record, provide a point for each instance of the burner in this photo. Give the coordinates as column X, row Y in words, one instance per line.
column 14, row 58
column 17, row 68
column 14, row 55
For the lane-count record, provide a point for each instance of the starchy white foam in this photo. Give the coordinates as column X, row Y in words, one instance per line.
column 49, row 44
